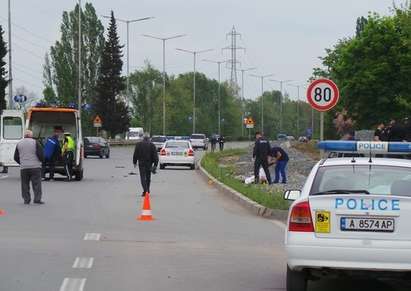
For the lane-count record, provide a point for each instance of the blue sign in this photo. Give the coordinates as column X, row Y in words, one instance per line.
column 20, row 98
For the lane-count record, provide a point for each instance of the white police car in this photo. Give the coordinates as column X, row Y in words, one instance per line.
column 353, row 215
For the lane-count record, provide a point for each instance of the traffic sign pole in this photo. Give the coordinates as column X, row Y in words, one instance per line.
column 322, row 95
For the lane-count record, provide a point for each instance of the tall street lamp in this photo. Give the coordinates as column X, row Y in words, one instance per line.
column 281, row 82
column 164, row 39
column 194, row 53
column 10, row 82
column 242, row 97
column 298, row 107
column 127, row 22
column 262, row 77
column 219, row 90
column 80, row 38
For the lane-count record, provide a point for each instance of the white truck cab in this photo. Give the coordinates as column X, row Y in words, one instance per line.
column 353, row 215
column 11, row 132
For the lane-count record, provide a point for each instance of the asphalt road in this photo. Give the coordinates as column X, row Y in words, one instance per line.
column 86, row 236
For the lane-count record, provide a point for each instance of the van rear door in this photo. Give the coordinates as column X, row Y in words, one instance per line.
column 11, row 132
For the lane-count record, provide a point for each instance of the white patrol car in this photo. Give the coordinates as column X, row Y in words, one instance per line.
column 353, row 215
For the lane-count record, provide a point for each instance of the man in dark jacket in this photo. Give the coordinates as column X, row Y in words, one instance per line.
column 29, row 155
column 260, row 154
column 52, row 152
column 145, row 153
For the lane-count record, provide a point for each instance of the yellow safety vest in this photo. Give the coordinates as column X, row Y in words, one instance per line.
column 69, row 145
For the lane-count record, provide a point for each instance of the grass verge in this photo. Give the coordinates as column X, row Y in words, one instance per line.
column 261, row 194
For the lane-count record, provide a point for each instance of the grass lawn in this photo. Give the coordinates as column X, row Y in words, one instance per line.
column 261, row 194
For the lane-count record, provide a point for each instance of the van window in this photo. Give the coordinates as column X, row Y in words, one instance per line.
column 12, row 128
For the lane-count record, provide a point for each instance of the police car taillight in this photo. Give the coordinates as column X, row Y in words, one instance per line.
column 300, row 218
column 190, row 153
column 162, row 152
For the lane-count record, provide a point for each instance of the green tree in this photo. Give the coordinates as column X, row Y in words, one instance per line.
column 108, row 102
column 373, row 69
column 3, row 81
column 146, row 89
column 61, row 74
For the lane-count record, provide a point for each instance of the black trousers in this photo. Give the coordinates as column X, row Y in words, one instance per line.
column 145, row 177
column 33, row 176
column 51, row 163
column 261, row 163
column 68, row 164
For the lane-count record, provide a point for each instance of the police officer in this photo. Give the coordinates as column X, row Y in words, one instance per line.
column 69, row 148
column 51, row 152
column 261, row 152
column 145, row 153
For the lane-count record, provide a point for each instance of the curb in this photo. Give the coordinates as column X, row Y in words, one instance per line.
column 255, row 208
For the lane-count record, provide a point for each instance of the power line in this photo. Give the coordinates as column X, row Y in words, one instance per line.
column 26, row 73
column 28, row 31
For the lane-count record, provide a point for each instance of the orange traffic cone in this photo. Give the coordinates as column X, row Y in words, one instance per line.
column 146, row 212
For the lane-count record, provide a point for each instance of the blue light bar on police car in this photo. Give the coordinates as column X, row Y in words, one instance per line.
column 349, row 146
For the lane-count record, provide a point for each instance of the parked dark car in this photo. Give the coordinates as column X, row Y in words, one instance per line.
column 96, row 146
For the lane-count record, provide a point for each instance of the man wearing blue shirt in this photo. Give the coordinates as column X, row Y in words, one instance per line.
column 281, row 160
column 51, row 152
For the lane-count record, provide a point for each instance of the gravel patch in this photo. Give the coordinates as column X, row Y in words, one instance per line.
column 299, row 167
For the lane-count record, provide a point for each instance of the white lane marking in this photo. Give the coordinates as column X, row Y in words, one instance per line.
column 83, row 263
column 92, row 236
column 73, row 284
column 4, row 177
column 280, row 224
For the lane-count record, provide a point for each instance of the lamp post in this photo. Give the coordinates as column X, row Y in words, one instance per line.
column 128, row 22
column 262, row 77
column 80, row 38
column 164, row 39
column 194, row 53
column 219, row 91
column 10, row 83
column 242, row 97
column 298, row 107
column 281, row 100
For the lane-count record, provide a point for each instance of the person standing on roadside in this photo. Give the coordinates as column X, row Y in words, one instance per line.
column 281, row 161
column 380, row 133
column 51, row 152
column 260, row 154
column 69, row 148
column 221, row 142
column 145, row 153
column 29, row 155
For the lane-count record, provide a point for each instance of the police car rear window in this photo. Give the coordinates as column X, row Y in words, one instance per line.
column 177, row 144
column 377, row 180
column 197, row 136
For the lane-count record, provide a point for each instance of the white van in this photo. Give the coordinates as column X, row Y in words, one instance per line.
column 42, row 120
column 11, row 132
column 135, row 133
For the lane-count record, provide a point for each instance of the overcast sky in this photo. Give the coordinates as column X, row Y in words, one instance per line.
column 284, row 38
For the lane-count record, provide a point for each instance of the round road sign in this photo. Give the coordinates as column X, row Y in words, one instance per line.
column 323, row 94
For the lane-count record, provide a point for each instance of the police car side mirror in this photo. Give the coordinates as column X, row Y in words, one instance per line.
column 292, row 195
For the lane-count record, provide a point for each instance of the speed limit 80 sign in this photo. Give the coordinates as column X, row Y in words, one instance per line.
column 323, row 94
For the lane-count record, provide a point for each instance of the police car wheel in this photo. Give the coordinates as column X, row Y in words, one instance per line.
column 296, row 280
column 192, row 167
column 162, row 167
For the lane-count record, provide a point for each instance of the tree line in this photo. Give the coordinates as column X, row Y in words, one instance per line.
column 372, row 70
